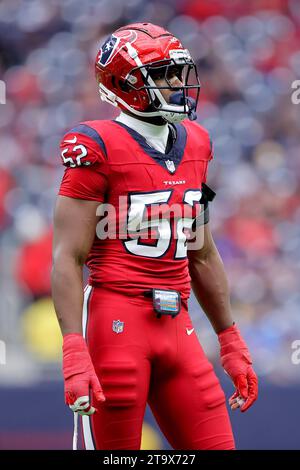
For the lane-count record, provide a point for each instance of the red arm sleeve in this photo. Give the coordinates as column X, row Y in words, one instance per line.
column 84, row 155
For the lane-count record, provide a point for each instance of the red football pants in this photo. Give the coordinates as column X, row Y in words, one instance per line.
column 152, row 360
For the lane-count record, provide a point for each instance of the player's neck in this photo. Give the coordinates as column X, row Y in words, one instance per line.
column 155, row 121
column 155, row 135
column 146, row 128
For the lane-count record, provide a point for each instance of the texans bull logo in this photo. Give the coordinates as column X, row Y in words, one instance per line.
column 113, row 44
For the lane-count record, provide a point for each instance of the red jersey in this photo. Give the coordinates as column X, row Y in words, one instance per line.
column 111, row 163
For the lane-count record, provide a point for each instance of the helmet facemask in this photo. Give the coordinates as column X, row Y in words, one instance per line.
column 181, row 103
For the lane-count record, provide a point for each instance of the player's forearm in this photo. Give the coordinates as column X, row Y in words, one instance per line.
column 67, row 293
column 210, row 286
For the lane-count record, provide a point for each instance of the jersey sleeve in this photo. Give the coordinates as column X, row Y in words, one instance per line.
column 201, row 145
column 207, row 194
column 210, row 156
column 83, row 153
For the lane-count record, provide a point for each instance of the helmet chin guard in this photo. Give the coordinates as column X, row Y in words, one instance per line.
column 127, row 66
column 187, row 103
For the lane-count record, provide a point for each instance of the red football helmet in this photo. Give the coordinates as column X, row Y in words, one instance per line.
column 129, row 62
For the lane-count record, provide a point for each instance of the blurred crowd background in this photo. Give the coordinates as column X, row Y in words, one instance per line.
column 248, row 55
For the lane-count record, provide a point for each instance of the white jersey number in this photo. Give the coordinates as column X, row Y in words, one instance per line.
column 69, row 161
column 138, row 221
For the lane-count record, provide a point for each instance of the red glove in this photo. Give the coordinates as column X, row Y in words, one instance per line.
column 79, row 375
column 236, row 361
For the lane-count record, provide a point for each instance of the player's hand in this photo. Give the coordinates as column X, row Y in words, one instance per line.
column 237, row 362
column 79, row 375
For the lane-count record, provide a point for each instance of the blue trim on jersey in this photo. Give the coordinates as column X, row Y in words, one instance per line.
column 176, row 152
column 90, row 132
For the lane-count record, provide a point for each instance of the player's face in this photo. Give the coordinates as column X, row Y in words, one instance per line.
column 161, row 79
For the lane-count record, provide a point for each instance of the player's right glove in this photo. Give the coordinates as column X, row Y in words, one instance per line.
column 79, row 375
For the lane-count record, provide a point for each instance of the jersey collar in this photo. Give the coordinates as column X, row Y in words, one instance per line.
column 169, row 161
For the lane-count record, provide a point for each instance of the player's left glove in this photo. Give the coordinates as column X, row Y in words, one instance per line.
column 237, row 362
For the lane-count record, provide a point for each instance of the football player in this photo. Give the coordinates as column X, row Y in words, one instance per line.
column 128, row 338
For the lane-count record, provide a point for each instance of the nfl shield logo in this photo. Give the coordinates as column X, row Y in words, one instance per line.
column 118, row 326
column 170, row 165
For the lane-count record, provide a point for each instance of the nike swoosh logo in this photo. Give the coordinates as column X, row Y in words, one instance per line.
column 72, row 141
column 189, row 332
